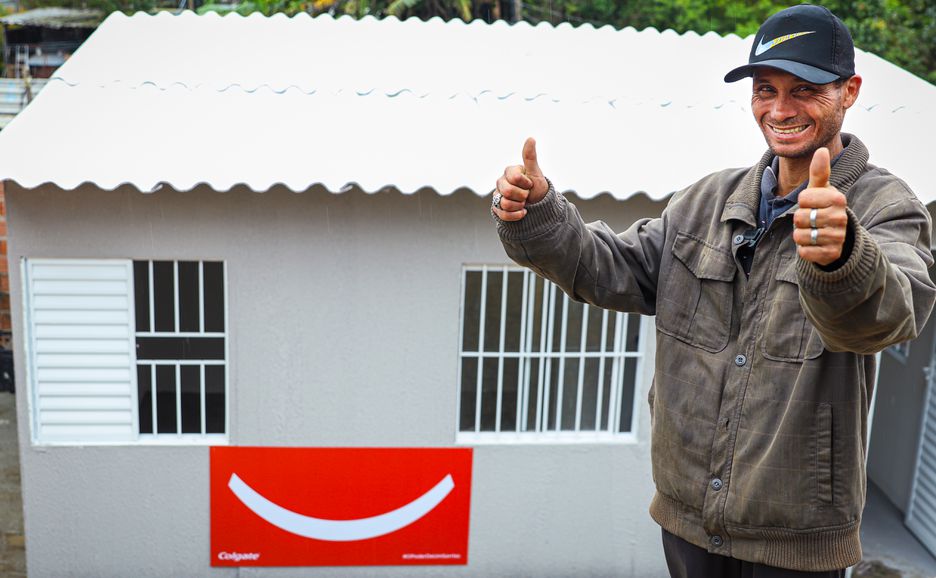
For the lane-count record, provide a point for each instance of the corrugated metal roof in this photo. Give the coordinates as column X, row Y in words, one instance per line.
column 371, row 56
column 55, row 18
column 186, row 136
column 413, row 104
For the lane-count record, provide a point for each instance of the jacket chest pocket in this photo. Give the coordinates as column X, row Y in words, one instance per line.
column 694, row 304
column 788, row 335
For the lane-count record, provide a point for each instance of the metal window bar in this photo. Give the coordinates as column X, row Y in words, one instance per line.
column 205, row 362
column 180, row 334
column 152, row 301
column 227, row 373
column 583, row 343
column 500, row 358
column 514, row 355
column 545, row 356
column 617, row 374
column 201, row 298
column 522, row 394
column 541, row 362
column 560, row 385
column 153, row 398
column 201, row 393
column 178, row 399
column 175, row 293
column 601, row 368
column 547, row 344
column 201, row 364
column 481, row 315
column 638, row 362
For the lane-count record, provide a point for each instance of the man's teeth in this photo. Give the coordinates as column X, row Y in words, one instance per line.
column 793, row 130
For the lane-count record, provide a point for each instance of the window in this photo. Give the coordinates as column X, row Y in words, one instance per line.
column 900, row 350
column 126, row 351
column 536, row 365
column 180, row 346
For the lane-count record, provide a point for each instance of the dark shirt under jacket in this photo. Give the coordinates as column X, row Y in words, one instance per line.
column 771, row 207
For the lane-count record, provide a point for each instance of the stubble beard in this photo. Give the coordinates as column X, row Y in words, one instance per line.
column 824, row 139
column 832, row 125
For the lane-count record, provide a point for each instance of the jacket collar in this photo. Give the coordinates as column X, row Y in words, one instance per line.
column 742, row 204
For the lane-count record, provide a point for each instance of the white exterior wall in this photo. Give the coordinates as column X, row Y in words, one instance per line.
column 343, row 315
column 898, row 418
column 899, row 411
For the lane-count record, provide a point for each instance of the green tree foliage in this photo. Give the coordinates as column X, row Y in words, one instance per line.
column 105, row 6
column 901, row 31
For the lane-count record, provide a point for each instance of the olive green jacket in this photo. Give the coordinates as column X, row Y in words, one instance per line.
column 761, row 388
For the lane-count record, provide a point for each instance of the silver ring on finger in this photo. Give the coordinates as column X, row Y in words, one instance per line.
column 814, row 235
column 812, row 218
column 496, row 200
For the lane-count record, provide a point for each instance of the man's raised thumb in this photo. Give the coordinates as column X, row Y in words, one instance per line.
column 530, row 166
column 820, row 168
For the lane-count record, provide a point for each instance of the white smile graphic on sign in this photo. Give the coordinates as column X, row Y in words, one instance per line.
column 340, row 530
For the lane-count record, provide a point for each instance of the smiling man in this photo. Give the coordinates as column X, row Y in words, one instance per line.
column 773, row 287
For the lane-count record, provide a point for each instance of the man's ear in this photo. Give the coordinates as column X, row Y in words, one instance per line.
column 851, row 88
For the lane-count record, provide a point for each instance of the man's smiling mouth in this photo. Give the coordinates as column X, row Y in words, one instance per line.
column 788, row 130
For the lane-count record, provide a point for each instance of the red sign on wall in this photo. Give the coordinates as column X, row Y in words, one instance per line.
column 339, row 506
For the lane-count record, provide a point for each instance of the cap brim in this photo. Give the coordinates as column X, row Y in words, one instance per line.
column 804, row 71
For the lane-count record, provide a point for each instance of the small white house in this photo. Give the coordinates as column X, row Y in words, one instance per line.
column 274, row 232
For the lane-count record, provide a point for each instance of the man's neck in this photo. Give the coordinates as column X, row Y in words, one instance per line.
column 793, row 171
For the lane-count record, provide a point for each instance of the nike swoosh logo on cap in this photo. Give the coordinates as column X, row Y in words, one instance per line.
column 764, row 47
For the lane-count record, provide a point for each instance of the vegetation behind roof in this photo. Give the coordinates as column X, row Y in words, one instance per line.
column 56, row 17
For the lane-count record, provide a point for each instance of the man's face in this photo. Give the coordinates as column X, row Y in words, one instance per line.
column 797, row 117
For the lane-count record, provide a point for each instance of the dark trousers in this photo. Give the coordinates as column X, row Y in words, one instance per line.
column 688, row 561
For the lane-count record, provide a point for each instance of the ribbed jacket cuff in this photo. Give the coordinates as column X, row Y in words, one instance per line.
column 820, row 551
column 863, row 261
column 541, row 218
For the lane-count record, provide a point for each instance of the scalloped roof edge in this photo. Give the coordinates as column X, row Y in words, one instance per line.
column 346, row 188
column 435, row 19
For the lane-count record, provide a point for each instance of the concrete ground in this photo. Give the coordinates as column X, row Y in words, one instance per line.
column 12, row 544
column 890, row 550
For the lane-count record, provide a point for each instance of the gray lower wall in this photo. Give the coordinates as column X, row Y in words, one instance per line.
column 898, row 413
column 343, row 332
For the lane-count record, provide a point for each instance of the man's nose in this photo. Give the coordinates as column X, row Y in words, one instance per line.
column 783, row 107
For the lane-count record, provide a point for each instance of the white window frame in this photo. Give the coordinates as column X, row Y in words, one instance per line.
column 536, row 435
column 900, row 351
column 136, row 438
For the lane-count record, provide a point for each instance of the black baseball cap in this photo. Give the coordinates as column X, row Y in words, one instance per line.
column 807, row 41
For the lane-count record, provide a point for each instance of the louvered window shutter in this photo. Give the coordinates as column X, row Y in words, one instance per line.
column 921, row 513
column 80, row 347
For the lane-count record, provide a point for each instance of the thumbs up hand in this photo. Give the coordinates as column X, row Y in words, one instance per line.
column 519, row 186
column 820, row 222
